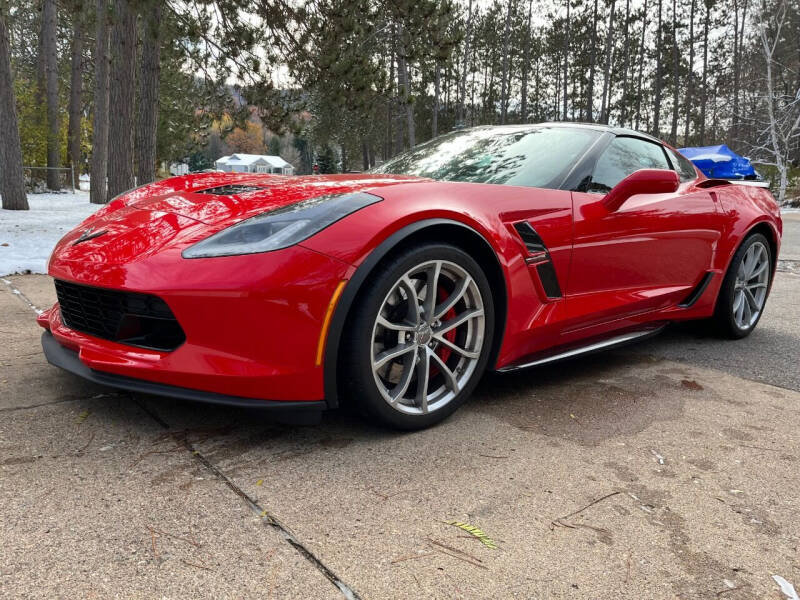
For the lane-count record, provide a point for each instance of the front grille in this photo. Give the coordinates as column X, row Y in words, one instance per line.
column 129, row 318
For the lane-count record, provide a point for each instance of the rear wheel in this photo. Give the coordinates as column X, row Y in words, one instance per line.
column 744, row 290
column 420, row 337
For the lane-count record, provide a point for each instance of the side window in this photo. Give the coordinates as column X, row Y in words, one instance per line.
column 622, row 157
column 682, row 165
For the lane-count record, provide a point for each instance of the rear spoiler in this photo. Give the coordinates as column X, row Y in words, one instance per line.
column 709, row 183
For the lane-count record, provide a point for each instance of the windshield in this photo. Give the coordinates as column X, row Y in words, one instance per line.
column 531, row 157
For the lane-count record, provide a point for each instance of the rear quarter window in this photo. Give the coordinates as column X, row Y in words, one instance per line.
column 682, row 165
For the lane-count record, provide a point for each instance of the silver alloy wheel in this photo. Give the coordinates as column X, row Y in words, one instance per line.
column 750, row 289
column 427, row 337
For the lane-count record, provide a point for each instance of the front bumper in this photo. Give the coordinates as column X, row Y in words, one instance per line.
column 64, row 358
column 252, row 324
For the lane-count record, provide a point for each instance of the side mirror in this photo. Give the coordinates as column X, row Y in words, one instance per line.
column 643, row 181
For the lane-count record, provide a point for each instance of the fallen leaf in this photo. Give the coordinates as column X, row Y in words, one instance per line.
column 260, row 482
column 478, row 533
column 82, row 417
column 691, row 384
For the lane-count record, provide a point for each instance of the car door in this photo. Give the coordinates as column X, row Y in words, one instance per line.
column 646, row 255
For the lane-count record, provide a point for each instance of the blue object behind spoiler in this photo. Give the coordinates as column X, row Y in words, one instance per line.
column 720, row 162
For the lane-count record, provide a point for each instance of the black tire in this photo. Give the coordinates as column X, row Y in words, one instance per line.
column 723, row 320
column 356, row 374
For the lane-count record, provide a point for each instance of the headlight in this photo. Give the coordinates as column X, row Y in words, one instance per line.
column 281, row 228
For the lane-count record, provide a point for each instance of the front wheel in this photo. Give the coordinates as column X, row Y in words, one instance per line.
column 743, row 293
column 420, row 336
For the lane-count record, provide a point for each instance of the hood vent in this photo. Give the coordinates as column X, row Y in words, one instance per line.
column 231, row 190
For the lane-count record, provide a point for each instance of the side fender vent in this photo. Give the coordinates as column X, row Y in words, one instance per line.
column 532, row 241
column 539, row 255
column 697, row 291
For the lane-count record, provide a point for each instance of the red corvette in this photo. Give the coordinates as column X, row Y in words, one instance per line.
column 493, row 247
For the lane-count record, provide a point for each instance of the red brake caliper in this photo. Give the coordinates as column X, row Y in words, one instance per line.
column 443, row 351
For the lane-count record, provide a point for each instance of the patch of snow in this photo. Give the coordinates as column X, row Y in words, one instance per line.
column 27, row 237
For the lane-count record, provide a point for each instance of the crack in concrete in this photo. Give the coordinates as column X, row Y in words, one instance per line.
column 21, row 296
column 265, row 517
column 262, row 513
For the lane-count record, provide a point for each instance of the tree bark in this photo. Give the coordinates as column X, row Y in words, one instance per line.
column 99, row 167
column 592, row 61
column 12, row 180
column 641, row 68
column 737, row 65
column 436, row 84
column 657, row 90
column 122, row 94
column 566, row 58
column 50, row 50
column 149, row 73
column 390, row 106
column 690, row 81
column 626, row 65
column 462, row 115
column 412, row 139
column 704, row 90
column 607, row 75
column 526, row 56
column 673, row 135
column 75, row 94
column 504, row 82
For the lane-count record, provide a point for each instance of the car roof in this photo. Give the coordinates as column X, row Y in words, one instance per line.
column 595, row 126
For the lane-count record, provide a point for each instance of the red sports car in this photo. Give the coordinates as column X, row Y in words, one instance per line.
column 493, row 247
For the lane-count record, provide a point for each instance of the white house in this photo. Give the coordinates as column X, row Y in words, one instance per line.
column 178, row 168
column 254, row 163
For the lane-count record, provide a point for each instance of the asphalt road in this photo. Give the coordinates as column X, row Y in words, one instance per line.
column 667, row 469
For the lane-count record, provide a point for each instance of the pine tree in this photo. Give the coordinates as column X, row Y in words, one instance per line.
column 99, row 165
column 12, row 180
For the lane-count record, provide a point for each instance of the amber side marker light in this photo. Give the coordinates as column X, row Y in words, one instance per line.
column 323, row 334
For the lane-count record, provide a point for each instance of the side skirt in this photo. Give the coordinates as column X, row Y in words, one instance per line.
column 596, row 346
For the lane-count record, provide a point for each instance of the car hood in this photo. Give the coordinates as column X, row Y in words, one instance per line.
column 231, row 197
column 182, row 210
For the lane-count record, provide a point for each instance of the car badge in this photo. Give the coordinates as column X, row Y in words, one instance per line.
column 89, row 234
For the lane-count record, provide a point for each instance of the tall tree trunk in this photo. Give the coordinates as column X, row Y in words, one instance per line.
column 403, row 72
column 737, row 65
column 526, row 54
column 390, row 105
column 50, row 49
column 12, row 180
column 626, row 65
column 463, row 93
column 99, row 189
column 398, row 133
column 75, row 94
column 704, row 88
column 641, row 68
column 436, row 85
column 149, row 74
column 592, row 62
column 673, row 135
column 122, row 94
column 566, row 58
column 690, row 82
column 607, row 74
column 504, row 83
column 657, row 91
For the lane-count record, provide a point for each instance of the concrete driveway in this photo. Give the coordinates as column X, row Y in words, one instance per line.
column 668, row 469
